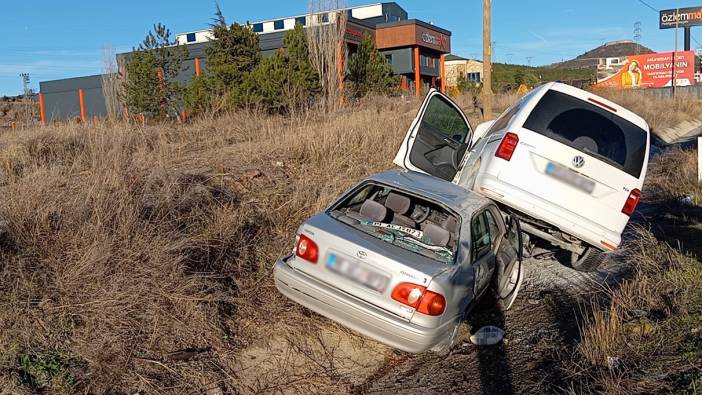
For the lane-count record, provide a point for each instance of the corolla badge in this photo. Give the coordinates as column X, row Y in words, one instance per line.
column 362, row 254
column 578, row 161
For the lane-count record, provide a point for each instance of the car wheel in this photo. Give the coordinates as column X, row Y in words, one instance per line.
column 588, row 261
column 459, row 330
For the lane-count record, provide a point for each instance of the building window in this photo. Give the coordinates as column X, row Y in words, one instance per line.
column 388, row 58
column 473, row 77
column 325, row 18
column 301, row 20
column 191, row 37
column 279, row 24
column 258, row 27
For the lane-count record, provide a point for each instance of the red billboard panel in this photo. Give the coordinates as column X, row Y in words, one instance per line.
column 653, row 70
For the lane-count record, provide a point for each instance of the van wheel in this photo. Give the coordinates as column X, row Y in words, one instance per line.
column 588, row 261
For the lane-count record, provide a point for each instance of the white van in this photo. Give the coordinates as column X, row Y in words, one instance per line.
column 569, row 163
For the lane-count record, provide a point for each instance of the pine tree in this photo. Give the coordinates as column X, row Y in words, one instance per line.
column 286, row 80
column 233, row 53
column 369, row 72
column 231, row 56
column 151, row 85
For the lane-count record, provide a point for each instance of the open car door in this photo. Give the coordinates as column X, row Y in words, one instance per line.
column 509, row 271
column 437, row 139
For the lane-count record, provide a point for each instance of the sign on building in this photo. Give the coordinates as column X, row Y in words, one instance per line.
column 647, row 71
column 681, row 17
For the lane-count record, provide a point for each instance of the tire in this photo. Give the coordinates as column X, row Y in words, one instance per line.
column 459, row 330
column 588, row 261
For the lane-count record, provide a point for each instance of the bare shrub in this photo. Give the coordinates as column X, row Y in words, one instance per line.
column 112, row 83
column 325, row 37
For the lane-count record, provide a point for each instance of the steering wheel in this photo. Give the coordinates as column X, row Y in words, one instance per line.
column 423, row 217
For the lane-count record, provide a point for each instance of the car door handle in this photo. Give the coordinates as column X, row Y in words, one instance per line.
column 451, row 142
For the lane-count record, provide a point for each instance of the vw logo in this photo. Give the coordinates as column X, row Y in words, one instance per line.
column 362, row 254
column 578, row 162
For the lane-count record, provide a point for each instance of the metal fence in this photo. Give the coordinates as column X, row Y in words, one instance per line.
column 680, row 91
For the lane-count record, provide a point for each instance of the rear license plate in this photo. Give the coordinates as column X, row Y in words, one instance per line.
column 569, row 177
column 355, row 272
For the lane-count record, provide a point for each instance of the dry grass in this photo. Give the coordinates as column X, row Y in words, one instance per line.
column 137, row 259
column 122, row 244
column 660, row 113
column 647, row 335
column 674, row 175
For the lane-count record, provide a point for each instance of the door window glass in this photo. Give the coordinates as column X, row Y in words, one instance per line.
column 492, row 226
column 446, row 119
column 480, row 236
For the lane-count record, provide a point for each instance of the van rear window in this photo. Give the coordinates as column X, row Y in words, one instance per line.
column 590, row 129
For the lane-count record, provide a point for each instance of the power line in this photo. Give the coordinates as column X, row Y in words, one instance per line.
column 649, row 6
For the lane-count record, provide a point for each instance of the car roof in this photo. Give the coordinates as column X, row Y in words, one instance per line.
column 460, row 200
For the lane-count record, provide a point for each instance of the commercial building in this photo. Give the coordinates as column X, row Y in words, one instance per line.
column 458, row 68
column 415, row 49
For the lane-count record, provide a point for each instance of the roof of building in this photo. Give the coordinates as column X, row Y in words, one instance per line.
column 452, row 57
column 414, row 21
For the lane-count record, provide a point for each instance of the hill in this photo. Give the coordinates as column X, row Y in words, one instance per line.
column 611, row 49
column 510, row 76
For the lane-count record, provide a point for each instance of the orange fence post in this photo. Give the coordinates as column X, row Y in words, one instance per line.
column 81, row 100
column 42, row 111
column 417, row 75
column 197, row 66
column 13, row 125
column 183, row 117
column 442, row 60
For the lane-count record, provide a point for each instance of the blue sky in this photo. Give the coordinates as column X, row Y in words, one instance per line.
column 56, row 39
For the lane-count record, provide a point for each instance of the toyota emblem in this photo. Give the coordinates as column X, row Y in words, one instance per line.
column 362, row 254
column 578, row 161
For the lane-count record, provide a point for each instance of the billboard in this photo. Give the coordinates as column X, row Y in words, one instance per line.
column 653, row 70
column 680, row 17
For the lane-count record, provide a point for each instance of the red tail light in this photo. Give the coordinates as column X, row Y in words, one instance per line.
column 631, row 202
column 507, row 146
column 417, row 296
column 307, row 249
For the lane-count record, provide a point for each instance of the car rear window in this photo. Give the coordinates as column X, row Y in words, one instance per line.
column 590, row 129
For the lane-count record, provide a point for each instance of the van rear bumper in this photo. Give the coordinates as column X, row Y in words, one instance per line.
column 356, row 314
column 541, row 209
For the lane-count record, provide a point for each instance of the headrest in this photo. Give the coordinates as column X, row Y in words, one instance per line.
column 437, row 235
column 397, row 203
column 373, row 210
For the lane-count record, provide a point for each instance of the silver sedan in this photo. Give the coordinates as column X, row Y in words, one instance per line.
column 401, row 258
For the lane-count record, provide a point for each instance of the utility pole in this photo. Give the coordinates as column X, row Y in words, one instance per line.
column 674, row 80
column 529, row 58
column 487, row 63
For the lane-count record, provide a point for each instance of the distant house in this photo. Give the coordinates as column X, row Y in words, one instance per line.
column 457, row 68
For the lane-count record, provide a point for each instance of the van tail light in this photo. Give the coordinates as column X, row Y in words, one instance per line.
column 507, row 146
column 307, row 249
column 631, row 202
column 417, row 297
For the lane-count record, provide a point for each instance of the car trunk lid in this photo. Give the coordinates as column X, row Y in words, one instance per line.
column 362, row 266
